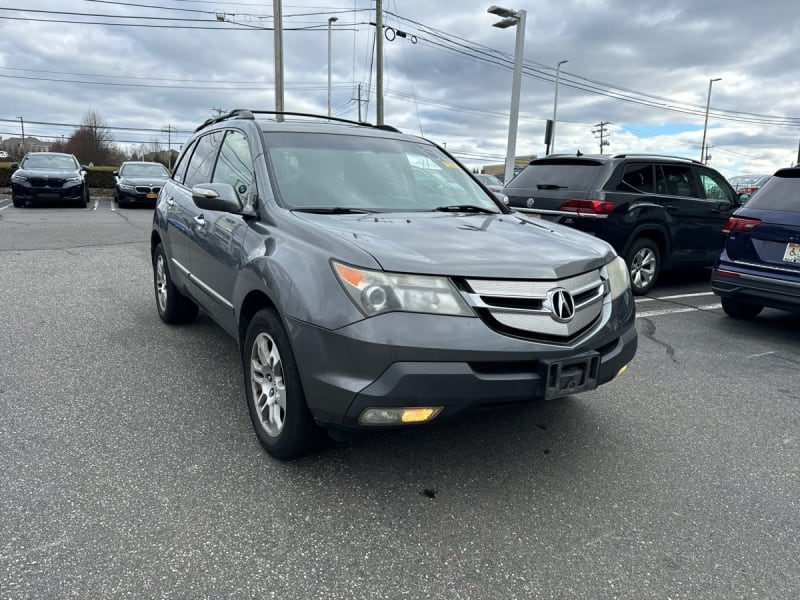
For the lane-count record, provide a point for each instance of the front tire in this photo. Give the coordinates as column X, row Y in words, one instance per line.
column 83, row 201
column 17, row 202
column 644, row 264
column 740, row 310
column 173, row 307
column 275, row 398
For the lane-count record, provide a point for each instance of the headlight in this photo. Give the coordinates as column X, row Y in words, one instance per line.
column 19, row 178
column 376, row 292
column 619, row 280
column 125, row 186
column 74, row 180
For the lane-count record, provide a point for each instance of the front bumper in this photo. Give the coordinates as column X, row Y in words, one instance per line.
column 134, row 197
column 27, row 192
column 458, row 363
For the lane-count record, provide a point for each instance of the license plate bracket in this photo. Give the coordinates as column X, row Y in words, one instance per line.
column 571, row 375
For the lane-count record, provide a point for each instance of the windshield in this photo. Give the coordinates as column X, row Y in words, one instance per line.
column 154, row 170
column 49, row 161
column 330, row 171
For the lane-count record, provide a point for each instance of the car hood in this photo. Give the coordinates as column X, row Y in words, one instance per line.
column 144, row 180
column 469, row 245
column 53, row 173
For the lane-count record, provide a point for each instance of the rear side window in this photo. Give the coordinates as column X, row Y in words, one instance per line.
column 781, row 192
column 202, row 162
column 676, row 180
column 637, row 178
column 566, row 174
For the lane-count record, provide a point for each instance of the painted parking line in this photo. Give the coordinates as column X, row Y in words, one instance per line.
column 683, row 309
column 675, row 297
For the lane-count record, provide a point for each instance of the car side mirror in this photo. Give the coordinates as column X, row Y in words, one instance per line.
column 15, row 165
column 115, row 173
column 743, row 198
column 502, row 197
column 216, row 196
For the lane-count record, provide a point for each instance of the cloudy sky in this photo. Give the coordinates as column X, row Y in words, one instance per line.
column 640, row 67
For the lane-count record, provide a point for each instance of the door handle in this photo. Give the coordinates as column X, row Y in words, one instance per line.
column 200, row 220
column 169, row 200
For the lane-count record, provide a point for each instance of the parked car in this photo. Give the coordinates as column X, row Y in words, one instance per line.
column 138, row 182
column 49, row 177
column 359, row 297
column 748, row 184
column 3, row 154
column 490, row 181
column 657, row 212
column 759, row 265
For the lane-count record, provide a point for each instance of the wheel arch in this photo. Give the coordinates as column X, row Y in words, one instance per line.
column 659, row 237
column 253, row 302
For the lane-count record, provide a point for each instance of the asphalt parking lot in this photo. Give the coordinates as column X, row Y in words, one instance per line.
column 129, row 467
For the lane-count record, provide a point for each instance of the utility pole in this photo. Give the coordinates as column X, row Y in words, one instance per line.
column 169, row 142
column 359, row 106
column 217, row 110
column 22, row 124
column 277, row 18
column 602, row 134
column 379, row 62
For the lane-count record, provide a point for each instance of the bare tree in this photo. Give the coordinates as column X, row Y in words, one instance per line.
column 92, row 142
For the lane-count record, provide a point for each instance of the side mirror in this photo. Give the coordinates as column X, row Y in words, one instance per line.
column 502, row 197
column 115, row 173
column 15, row 165
column 216, row 196
column 743, row 198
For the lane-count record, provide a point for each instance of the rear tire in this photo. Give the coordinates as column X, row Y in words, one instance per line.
column 173, row 307
column 275, row 398
column 644, row 265
column 740, row 310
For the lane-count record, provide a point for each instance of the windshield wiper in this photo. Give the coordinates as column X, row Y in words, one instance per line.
column 334, row 210
column 465, row 208
column 550, row 186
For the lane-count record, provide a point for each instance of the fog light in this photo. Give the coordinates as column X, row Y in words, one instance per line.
column 621, row 371
column 396, row 416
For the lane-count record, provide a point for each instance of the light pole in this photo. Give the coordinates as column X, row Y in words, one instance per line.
column 555, row 108
column 705, row 125
column 510, row 19
column 330, row 20
column 22, row 125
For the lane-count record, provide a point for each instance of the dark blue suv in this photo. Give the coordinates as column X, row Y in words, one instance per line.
column 658, row 212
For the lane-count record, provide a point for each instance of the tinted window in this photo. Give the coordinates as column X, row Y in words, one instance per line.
column 637, row 178
column 676, row 180
column 179, row 172
column 201, row 164
column 566, row 174
column 235, row 165
column 781, row 192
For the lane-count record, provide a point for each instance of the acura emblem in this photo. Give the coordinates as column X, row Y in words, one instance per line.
column 529, row 203
column 561, row 305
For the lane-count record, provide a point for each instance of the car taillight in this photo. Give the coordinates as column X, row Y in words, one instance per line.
column 739, row 224
column 748, row 190
column 588, row 207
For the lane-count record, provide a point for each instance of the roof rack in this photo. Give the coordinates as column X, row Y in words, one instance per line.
column 244, row 113
column 636, row 154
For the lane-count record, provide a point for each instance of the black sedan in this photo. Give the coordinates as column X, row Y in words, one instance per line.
column 139, row 182
column 760, row 262
column 49, row 177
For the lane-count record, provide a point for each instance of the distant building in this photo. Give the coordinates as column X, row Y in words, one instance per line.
column 13, row 145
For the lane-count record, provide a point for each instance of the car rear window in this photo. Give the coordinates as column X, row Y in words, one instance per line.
column 566, row 174
column 781, row 192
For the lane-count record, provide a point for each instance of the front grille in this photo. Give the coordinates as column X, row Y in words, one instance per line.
column 41, row 182
column 521, row 307
column 146, row 189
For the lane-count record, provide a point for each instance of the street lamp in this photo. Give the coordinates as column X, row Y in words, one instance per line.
column 555, row 108
column 330, row 20
column 22, row 125
column 705, row 125
column 510, row 19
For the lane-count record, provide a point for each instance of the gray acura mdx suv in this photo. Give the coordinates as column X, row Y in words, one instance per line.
column 371, row 281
